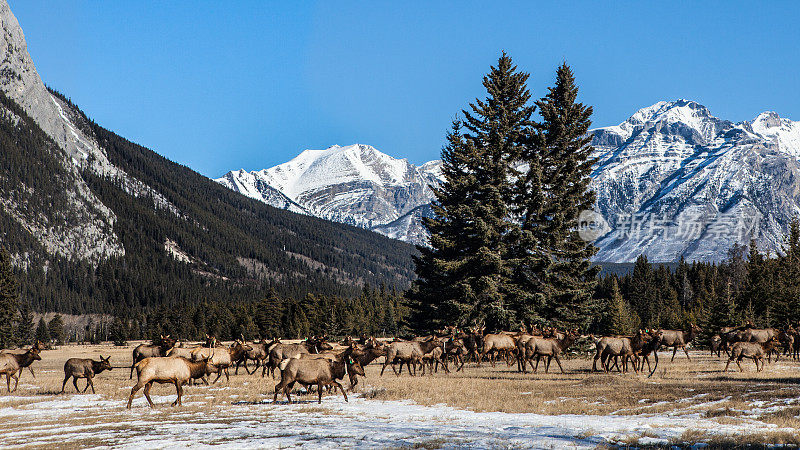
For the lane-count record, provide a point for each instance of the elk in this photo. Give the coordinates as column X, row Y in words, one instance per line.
column 752, row 350
column 84, row 368
column 281, row 351
column 626, row 347
column 716, row 345
column 316, row 371
column 436, row 356
column 408, row 352
column 679, row 339
column 550, row 348
column 173, row 370
column 11, row 365
column 498, row 343
column 651, row 347
column 221, row 358
column 369, row 352
column 21, row 351
column 143, row 351
column 259, row 353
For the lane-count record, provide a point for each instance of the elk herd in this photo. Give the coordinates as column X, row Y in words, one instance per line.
column 317, row 363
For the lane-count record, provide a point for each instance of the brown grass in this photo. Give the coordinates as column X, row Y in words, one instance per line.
column 678, row 387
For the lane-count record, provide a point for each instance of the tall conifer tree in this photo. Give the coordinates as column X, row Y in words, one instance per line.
column 556, row 191
column 465, row 275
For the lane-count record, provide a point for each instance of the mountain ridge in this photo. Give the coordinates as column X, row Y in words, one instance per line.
column 645, row 165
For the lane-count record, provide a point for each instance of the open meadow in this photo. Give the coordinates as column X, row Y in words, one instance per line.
column 683, row 402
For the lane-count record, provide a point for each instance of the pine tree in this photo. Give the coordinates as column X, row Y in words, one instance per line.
column 618, row 318
column 561, row 155
column 464, row 276
column 9, row 299
column 42, row 333
column 55, row 329
column 24, row 332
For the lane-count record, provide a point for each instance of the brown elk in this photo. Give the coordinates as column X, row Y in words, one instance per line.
column 259, row 353
column 408, row 352
column 316, row 371
column 84, row 368
column 21, row 351
column 11, row 364
column 497, row 344
column 753, row 350
column 626, row 347
column 281, row 351
column 167, row 370
column 715, row 345
column 550, row 348
column 143, row 351
column 221, row 358
column 679, row 339
column 651, row 347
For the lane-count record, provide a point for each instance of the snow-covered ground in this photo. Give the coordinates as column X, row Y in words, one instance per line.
column 94, row 420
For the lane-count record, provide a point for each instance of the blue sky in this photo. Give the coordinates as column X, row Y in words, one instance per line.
column 227, row 85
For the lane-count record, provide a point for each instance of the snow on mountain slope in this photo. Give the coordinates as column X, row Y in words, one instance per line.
column 672, row 181
column 356, row 184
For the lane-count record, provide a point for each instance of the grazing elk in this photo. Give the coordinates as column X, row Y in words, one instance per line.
column 84, row 368
column 316, row 371
column 167, row 370
column 610, row 347
column 11, row 364
column 679, row 339
column 752, row 350
column 408, row 352
column 143, row 351
column 550, row 348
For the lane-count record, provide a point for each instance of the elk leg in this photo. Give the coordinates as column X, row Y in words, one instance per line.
column 341, row 389
column 319, row 388
column 227, row 376
column 728, row 365
column 178, row 392
column 655, row 356
column 547, row 367
column 147, row 394
column 687, row 353
column 64, row 383
column 739, row 364
column 8, row 382
column 594, row 362
column 537, row 364
column 674, row 351
column 31, row 369
column 278, row 387
column 16, row 381
column 559, row 363
column 135, row 388
column 90, row 383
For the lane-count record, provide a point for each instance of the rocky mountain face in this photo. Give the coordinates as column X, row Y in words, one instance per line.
column 672, row 181
column 356, row 185
column 96, row 223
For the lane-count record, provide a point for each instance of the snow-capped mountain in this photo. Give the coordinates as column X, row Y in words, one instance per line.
column 355, row 184
column 671, row 181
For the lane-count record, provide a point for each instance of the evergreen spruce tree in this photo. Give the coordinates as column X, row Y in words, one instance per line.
column 24, row 332
column 464, row 276
column 9, row 299
column 618, row 314
column 42, row 333
column 562, row 159
column 55, row 329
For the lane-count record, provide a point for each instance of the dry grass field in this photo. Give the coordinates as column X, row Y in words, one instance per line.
column 684, row 402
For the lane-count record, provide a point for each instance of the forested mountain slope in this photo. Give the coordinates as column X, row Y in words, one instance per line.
column 96, row 223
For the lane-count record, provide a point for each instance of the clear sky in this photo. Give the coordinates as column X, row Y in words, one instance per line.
column 249, row 84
